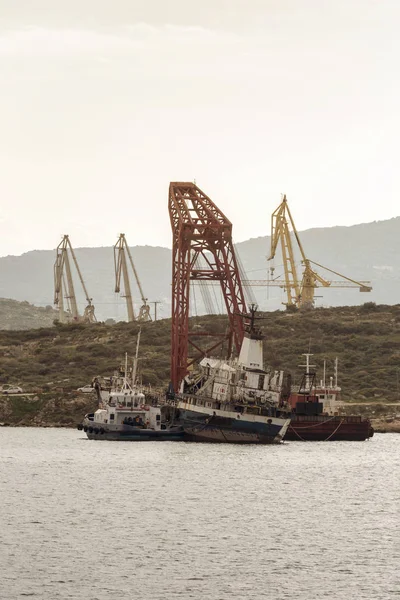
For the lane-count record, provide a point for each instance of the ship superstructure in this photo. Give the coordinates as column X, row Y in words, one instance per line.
column 235, row 400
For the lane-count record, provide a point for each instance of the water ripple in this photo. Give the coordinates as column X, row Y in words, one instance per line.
column 170, row 521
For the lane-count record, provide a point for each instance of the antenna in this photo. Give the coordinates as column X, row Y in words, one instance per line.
column 307, row 366
column 336, row 370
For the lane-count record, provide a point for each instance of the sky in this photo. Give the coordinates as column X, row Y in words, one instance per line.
column 103, row 103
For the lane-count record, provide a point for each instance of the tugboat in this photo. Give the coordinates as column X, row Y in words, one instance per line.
column 124, row 414
column 315, row 412
column 125, row 418
column 234, row 401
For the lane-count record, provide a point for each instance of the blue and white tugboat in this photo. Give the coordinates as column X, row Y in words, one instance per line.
column 125, row 418
column 235, row 401
column 125, row 415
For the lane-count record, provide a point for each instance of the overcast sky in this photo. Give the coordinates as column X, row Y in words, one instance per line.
column 103, row 103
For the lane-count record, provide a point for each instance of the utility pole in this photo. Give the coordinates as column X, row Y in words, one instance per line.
column 155, row 302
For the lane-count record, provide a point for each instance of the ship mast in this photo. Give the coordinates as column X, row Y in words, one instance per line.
column 125, row 384
column 135, row 362
column 308, row 375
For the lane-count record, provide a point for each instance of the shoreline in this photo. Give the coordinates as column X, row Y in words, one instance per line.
column 380, row 426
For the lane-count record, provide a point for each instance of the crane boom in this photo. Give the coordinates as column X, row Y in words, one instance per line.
column 78, row 270
column 71, row 290
column 363, row 285
column 144, row 300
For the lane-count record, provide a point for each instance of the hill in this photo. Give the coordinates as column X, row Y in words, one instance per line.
column 50, row 363
column 366, row 340
column 22, row 315
column 368, row 251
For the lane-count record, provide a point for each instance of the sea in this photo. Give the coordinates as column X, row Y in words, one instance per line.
column 102, row 520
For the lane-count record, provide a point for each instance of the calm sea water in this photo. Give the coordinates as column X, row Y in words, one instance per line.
column 101, row 520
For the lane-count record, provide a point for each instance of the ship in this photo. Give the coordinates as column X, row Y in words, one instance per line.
column 316, row 411
column 125, row 414
column 234, row 400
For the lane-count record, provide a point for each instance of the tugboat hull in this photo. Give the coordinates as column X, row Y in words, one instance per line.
column 130, row 434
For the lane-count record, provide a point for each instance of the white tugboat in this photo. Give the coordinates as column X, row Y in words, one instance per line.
column 235, row 401
column 124, row 415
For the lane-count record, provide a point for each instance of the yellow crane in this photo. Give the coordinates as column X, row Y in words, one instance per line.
column 64, row 286
column 300, row 291
column 121, row 253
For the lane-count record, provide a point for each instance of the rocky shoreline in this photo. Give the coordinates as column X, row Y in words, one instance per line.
column 388, row 426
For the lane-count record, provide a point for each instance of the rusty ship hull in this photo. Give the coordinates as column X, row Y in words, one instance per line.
column 319, row 428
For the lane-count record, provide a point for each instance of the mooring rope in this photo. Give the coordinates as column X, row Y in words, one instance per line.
column 329, row 436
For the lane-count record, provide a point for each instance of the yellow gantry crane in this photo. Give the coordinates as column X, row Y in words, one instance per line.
column 64, row 286
column 300, row 291
column 121, row 254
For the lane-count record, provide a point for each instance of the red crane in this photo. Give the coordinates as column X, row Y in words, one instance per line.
column 200, row 228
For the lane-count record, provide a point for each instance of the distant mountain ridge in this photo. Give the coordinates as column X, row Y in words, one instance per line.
column 369, row 251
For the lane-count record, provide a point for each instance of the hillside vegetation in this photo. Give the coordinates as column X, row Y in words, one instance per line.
column 366, row 339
